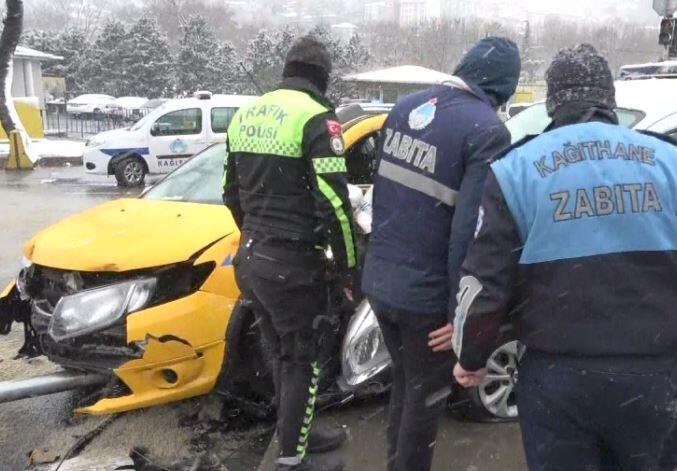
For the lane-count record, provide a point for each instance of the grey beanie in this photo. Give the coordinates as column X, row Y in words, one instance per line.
column 579, row 74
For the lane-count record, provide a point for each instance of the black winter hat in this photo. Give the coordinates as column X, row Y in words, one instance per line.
column 493, row 65
column 579, row 74
column 307, row 50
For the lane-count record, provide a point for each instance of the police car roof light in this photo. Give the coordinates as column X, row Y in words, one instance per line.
column 203, row 95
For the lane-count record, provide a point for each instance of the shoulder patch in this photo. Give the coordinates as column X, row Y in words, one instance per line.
column 337, row 145
column 333, row 127
column 421, row 116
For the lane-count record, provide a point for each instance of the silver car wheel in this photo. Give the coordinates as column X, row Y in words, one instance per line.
column 133, row 172
column 497, row 393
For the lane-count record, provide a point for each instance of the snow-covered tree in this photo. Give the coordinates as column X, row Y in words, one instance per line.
column 263, row 63
column 147, row 64
column 202, row 63
column 104, row 67
column 71, row 44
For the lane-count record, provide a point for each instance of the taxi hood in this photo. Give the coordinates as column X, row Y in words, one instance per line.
column 130, row 234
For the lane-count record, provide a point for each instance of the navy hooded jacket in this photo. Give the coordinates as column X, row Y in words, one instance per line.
column 434, row 155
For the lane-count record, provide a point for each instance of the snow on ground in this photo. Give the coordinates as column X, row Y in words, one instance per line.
column 51, row 148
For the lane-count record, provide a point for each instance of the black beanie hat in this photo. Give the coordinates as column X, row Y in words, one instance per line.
column 309, row 58
column 580, row 74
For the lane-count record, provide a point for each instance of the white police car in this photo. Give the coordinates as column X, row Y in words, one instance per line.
column 163, row 139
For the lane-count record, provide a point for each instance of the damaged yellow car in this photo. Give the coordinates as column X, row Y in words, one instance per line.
column 137, row 296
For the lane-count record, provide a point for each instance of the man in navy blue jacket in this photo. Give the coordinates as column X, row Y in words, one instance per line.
column 436, row 148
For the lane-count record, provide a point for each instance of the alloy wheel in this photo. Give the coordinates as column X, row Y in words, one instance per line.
column 133, row 172
column 497, row 393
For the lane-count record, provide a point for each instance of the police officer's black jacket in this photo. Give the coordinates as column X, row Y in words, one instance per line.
column 577, row 248
column 285, row 174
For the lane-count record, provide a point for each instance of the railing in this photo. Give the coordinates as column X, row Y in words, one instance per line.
column 56, row 122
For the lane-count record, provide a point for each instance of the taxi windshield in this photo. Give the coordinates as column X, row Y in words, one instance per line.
column 196, row 181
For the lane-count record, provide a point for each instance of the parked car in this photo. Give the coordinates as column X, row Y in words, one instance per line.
column 154, row 103
column 648, row 70
column 647, row 104
column 89, row 104
column 163, row 139
column 143, row 291
column 128, row 108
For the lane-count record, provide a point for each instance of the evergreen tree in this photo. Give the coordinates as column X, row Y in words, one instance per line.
column 104, row 67
column 226, row 64
column 263, row 63
column 147, row 65
column 69, row 44
column 201, row 59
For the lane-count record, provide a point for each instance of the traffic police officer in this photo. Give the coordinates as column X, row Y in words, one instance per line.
column 578, row 250
column 285, row 184
column 434, row 156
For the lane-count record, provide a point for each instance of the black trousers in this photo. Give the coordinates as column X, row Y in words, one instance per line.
column 287, row 290
column 421, row 383
column 590, row 418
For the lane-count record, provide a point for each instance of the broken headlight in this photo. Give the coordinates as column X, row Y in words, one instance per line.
column 364, row 353
column 96, row 309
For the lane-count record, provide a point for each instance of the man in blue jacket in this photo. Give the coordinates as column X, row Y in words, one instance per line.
column 434, row 156
column 578, row 250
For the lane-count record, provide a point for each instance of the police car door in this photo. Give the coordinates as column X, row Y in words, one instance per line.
column 219, row 120
column 175, row 137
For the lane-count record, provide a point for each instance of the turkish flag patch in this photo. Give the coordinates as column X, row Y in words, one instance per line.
column 333, row 127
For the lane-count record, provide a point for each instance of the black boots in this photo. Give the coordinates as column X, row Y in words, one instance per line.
column 313, row 462
column 325, row 438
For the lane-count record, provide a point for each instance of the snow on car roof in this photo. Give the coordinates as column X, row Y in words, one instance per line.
column 229, row 101
column 408, row 74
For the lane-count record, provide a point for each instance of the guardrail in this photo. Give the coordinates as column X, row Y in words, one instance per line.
column 56, row 122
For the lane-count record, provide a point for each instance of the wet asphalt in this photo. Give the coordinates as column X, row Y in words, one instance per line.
column 30, row 201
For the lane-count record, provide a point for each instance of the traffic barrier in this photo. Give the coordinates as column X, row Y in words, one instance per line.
column 18, row 158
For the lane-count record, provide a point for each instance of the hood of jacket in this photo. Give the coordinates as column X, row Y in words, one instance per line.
column 493, row 65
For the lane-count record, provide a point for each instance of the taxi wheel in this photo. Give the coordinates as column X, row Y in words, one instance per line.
column 130, row 171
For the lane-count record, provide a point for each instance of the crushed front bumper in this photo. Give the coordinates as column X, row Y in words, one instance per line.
column 162, row 354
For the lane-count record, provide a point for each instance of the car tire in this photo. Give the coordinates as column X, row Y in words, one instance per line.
column 130, row 172
column 247, row 367
column 494, row 400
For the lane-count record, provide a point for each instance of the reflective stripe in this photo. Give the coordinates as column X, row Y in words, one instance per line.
column 335, row 202
column 224, row 180
column 329, row 165
column 417, row 182
column 308, row 416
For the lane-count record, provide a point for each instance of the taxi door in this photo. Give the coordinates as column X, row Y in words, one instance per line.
column 175, row 137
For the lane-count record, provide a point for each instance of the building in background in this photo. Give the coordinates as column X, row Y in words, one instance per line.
column 387, row 85
column 343, row 31
column 406, row 13
column 27, row 73
column 379, row 11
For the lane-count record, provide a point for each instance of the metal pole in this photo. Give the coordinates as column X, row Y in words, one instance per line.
column 48, row 384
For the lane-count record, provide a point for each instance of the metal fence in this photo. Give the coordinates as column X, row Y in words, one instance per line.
column 56, row 122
